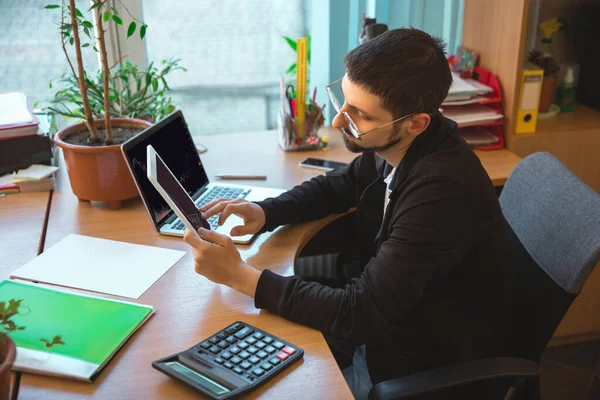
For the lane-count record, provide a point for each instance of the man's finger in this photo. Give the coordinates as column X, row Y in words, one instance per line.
column 192, row 239
column 228, row 210
column 213, row 237
column 217, row 208
column 211, row 204
column 242, row 230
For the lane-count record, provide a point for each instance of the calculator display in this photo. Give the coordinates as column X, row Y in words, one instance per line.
column 202, row 380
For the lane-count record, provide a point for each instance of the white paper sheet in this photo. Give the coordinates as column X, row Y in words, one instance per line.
column 100, row 265
column 34, row 172
column 13, row 109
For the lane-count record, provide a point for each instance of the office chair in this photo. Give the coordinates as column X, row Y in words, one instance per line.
column 554, row 223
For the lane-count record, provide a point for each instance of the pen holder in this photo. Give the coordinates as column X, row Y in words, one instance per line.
column 290, row 140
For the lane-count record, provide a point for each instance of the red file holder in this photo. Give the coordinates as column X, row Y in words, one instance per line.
column 492, row 100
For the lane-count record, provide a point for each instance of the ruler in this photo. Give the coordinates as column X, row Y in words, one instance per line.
column 301, row 52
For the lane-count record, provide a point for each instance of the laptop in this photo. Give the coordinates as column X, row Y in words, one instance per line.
column 172, row 140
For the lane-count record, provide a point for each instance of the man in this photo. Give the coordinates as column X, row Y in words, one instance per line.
column 432, row 289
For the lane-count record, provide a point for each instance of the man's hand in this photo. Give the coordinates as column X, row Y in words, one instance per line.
column 252, row 214
column 216, row 258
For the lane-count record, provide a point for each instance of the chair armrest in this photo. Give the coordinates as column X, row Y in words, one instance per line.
column 453, row 376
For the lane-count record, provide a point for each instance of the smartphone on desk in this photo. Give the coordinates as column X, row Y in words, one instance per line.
column 320, row 164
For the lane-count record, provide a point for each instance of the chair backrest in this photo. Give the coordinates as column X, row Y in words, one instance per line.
column 555, row 223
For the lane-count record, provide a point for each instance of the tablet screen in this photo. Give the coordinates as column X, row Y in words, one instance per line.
column 179, row 196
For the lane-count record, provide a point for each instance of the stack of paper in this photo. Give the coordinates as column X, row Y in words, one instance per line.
column 465, row 91
column 478, row 136
column 471, row 114
column 36, row 178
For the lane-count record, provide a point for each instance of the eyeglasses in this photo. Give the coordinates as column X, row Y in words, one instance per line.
column 351, row 124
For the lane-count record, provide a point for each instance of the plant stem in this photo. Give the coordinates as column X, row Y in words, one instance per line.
column 106, row 71
column 89, row 119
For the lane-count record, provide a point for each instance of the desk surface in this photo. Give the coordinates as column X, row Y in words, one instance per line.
column 189, row 307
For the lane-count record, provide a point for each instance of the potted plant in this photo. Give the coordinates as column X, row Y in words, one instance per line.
column 547, row 62
column 91, row 149
column 8, row 350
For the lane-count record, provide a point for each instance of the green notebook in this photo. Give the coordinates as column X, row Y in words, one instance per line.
column 68, row 335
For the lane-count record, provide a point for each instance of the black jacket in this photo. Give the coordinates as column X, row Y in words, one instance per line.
column 433, row 290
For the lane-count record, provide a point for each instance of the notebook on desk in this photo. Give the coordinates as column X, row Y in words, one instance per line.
column 65, row 334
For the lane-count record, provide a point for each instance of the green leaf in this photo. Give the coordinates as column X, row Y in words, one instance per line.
column 71, row 41
column 291, row 68
column 117, row 20
column 96, row 5
column 290, row 42
column 115, row 10
column 85, row 45
column 51, row 6
column 86, row 30
column 155, row 84
column 106, row 16
column 87, row 24
column 131, row 29
column 50, row 85
column 78, row 13
column 143, row 31
column 95, row 49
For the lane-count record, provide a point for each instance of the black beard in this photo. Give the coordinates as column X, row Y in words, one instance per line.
column 356, row 148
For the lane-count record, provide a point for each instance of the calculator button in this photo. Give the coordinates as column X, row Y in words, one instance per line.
column 245, row 365
column 228, row 365
column 226, row 355
column 268, row 340
column 260, row 345
column 238, row 370
column 252, row 350
column 244, row 354
column 266, row 366
column 270, row 349
column 219, row 360
column 236, row 360
column 289, row 350
column 261, row 354
column 258, row 372
column 214, row 350
column 205, row 345
column 251, row 340
column 243, row 333
column 282, row 355
column 223, row 344
column 233, row 328
column 243, row 345
column 231, row 339
column 222, row 335
column 278, row 345
column 274, row 361
column 254, row 359
column 258, row 335
column 234, row 350
column 214, row 340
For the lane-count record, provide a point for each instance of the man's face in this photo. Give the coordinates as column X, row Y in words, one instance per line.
column 367, row 112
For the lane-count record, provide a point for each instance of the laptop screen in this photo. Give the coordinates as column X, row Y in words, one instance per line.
column 173, row 143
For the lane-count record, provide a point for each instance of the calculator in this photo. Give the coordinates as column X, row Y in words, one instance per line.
column 233, row 361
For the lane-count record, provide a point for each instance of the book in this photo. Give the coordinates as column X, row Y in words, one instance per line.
column 66, row 334
column 21, row 152
column 16, row 119
column 34, row 172
column 471, row 114
column 43, row 185
column 477, row 136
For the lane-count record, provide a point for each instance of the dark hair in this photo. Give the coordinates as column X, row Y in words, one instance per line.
column 406, row 67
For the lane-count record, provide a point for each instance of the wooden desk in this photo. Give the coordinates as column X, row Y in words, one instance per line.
column 189, row 307
column 22, row 226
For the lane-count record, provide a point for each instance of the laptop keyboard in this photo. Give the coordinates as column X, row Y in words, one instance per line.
column 216, row 192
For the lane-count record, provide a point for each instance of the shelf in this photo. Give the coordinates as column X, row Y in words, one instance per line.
column 582, row 119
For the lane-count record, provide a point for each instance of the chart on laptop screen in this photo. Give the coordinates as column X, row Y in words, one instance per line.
column 175, row 146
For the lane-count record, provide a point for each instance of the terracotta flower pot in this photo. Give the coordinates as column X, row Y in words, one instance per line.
column 547, row 94
column 8, row 352
column 99, row 173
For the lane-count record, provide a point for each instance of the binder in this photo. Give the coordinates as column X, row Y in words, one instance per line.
column 529, row 98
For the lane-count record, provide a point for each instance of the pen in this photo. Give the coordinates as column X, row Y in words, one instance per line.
column 240, row 176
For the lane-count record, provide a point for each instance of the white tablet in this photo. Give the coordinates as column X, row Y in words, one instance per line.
column 173, row 192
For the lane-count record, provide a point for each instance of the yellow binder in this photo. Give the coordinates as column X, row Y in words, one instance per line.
column 529, row 98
